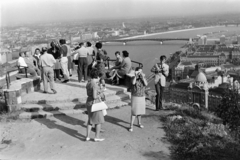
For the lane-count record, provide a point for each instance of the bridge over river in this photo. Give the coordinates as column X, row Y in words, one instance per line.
column 161, row 40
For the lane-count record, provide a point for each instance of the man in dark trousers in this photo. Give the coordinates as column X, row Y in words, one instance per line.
column 161, row 71
column 82, row 54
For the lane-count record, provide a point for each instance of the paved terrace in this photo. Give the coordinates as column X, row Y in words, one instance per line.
column 71, row 91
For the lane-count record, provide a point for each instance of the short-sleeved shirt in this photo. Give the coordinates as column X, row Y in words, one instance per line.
column 21, row 62
column 47, row 60
column 82, row 52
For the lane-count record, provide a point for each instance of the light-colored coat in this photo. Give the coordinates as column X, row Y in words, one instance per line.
column 159, row 77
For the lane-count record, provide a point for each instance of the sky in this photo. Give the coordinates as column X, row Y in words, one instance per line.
column 30, row 11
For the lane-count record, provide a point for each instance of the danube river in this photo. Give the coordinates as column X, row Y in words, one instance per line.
column 147, row 52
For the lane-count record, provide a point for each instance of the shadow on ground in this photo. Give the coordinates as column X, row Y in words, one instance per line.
column 156, row 155
column 51, row 124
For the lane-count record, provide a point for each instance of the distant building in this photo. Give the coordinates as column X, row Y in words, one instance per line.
column 222, row 39
column 204, row 90
column 95, row 35
column 86, row 36
column 115, row 33
column 202, row 40
column 5, row 56
column 238, row 39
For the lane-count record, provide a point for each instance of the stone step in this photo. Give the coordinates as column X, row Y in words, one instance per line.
column 44, row 114
column 114, row 99
column 54, row 98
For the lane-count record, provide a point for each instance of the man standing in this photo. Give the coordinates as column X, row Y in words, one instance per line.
column 90, row 57
column 64, row 60
column 82, row 62
column 161, row 71
column 46, row 62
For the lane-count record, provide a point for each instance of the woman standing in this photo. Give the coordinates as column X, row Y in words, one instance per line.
column 94, row 118
column 138, row 97
column 101, row 58
column 55, row 51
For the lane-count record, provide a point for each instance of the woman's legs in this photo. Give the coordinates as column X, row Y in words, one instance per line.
column 89, row 128
column 98, row 129
column 97, row 135
column 131, row 123
column 139, row 121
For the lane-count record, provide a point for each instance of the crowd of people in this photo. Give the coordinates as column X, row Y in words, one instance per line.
column 139, row 83
column 58, row 61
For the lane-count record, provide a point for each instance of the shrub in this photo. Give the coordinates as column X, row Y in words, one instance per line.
column 199, row 136
column 229, row 112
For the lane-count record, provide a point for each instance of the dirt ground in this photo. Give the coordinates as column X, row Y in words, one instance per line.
column 62, row 138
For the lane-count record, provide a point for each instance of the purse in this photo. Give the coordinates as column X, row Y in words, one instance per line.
column 99, row 106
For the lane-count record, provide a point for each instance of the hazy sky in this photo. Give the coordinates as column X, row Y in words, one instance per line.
column 22, row 11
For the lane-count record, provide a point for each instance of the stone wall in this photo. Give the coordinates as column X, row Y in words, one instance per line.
column 18, row 88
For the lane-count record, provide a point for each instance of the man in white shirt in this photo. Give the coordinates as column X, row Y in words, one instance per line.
column 82, row 62
column 161, row 71
column 21, row 62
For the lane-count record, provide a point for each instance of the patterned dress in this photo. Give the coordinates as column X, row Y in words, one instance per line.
column 138, row 98
column 94, row 117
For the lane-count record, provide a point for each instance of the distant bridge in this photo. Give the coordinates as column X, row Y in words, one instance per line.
column 229, row 23
column 161, row 40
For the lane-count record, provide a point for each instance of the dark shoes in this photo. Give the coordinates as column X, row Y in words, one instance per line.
column 65, row 81
column 54, row 91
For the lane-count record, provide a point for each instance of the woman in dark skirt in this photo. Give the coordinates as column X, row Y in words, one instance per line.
column 94, row 118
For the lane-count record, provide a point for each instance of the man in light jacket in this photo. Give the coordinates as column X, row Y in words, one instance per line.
column 161, row 71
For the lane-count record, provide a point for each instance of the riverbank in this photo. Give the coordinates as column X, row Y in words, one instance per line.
column 175, row 31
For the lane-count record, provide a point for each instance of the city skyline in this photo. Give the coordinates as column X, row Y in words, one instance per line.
column 26, row 11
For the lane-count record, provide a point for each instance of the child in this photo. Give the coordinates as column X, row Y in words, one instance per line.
column 102, row 87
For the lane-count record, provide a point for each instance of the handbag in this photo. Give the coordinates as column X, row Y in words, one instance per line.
column 99, row 106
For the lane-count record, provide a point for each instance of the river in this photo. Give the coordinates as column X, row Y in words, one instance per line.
column 147, row 52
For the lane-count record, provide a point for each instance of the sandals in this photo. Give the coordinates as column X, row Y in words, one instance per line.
column 87, row 139
column 141, row 126
column 131, row 128
column 99, row 139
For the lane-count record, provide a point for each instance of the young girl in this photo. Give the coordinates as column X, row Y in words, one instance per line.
column 102, row 87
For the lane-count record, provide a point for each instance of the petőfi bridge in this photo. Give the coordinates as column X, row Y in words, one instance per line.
column 161, row 40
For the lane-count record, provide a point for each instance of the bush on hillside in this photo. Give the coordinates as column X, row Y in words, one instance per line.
column 229, row 112
column 198, row 135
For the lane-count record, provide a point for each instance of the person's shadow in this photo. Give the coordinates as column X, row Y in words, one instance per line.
column 64, row 118
column 116, row 121
column 51, row 124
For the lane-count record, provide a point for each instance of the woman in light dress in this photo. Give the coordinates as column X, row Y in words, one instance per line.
column 138, row 97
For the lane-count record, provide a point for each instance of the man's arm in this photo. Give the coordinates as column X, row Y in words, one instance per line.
column 165, row 72
column 155, row 69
